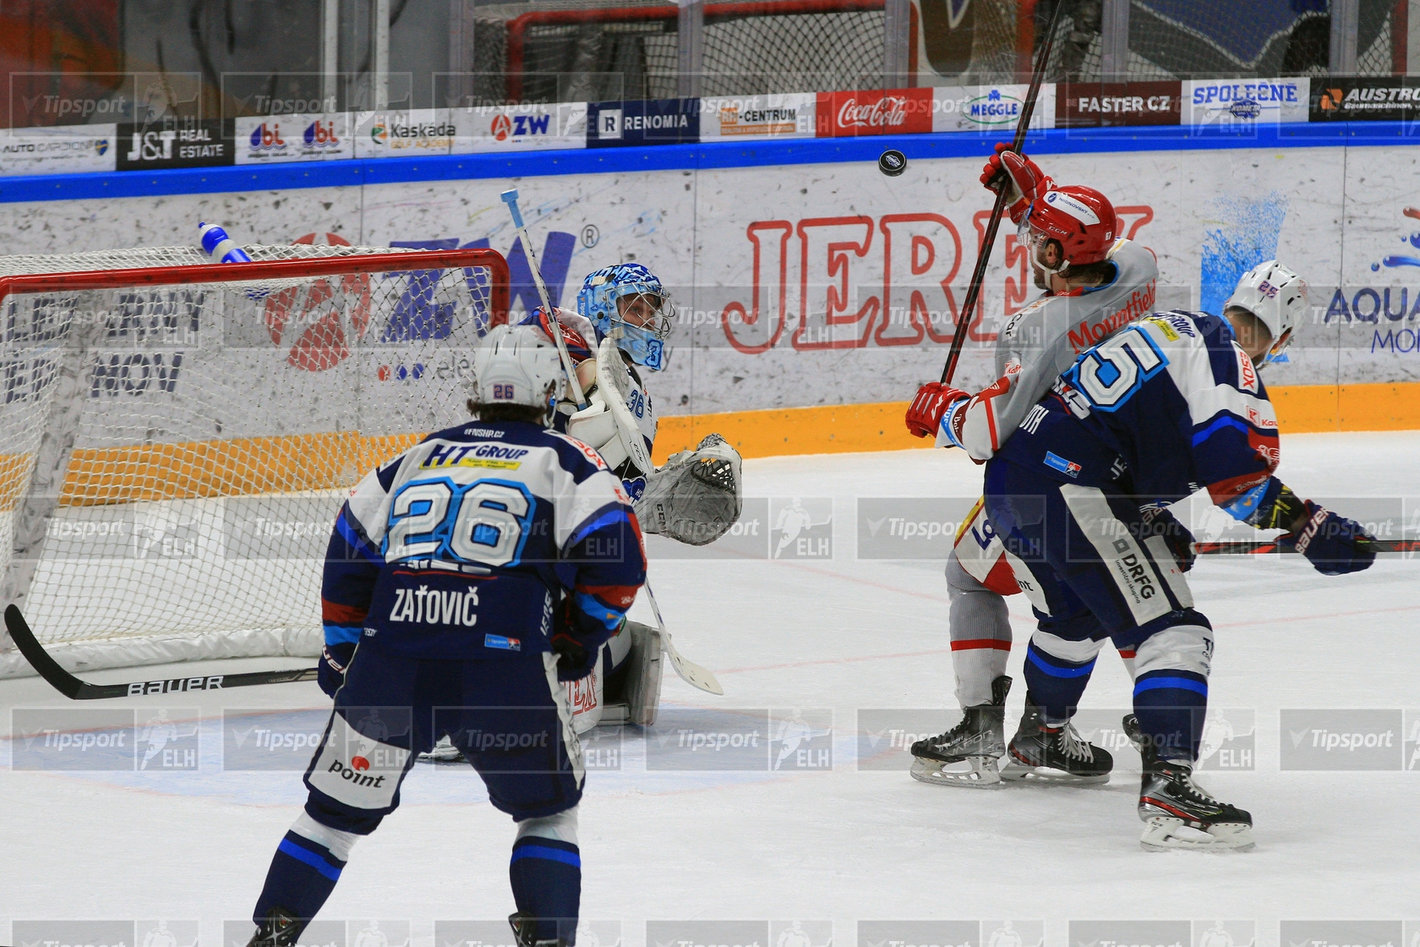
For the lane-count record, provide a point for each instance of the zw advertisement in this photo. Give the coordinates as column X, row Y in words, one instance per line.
column 525, row 127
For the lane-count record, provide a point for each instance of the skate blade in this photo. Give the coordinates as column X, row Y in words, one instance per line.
column 981, row 772
column 1169, row 834
column 444, row 755
column 1016, row 771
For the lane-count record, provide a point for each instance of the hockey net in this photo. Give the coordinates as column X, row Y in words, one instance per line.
column 569, row 50
column 178, row 435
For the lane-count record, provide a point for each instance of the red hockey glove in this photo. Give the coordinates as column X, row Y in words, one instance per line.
column 933, row 399
column 1019, row 175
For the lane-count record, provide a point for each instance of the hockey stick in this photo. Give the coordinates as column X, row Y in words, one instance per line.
column 988, row 239
column 690, row 672
column 1259, row 547
column 76, row 689
column 510, row 197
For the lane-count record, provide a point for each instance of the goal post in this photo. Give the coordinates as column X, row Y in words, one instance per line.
column 176, row 436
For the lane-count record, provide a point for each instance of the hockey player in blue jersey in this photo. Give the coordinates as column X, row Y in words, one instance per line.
column 1160, row 409
column 1095, row 281
column 465, row 581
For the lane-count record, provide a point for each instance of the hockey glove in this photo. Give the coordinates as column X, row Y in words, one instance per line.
column 330, row 669
column 1019, row 175
column 924, row 415
column 1159, row 521
column 577, row 640
column 1333, row 544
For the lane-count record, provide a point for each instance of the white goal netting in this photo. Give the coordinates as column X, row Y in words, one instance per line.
column 178, row 435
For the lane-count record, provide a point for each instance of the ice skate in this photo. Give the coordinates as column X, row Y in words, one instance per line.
column 443, row 752
column 967, row 754
column 279, row 929
column 1054, row 753
column 523, row 927
column 1179, row 814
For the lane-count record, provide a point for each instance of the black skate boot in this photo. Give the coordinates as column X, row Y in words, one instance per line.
column 523, row 928
column 1054, row 753
column 279, row 929
column 976, row 743
column 1177, row 812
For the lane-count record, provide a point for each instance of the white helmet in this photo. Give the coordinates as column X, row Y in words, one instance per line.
column 516, row 365
column 1275, row 294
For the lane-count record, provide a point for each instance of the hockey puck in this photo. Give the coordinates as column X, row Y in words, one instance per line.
column 892, row 162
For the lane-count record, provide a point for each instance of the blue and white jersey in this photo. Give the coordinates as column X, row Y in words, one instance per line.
column 1044, row 339
column 462, row 546
column 1164, row 407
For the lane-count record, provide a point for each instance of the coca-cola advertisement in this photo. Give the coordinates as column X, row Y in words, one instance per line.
column 874, row 112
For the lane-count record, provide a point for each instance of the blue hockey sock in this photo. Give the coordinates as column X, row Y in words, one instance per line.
column 302, row 875
column 546, row 875
column 1055, row 684
column 1171, row 705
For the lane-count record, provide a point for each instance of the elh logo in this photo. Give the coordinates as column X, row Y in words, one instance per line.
column 803, row 528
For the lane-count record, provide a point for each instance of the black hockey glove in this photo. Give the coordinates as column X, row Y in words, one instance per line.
column 1333, row 544
column 330, row 668
column 576, row 640
column 1159, row 521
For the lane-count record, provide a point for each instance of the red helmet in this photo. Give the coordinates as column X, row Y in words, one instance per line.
column 1081, row 219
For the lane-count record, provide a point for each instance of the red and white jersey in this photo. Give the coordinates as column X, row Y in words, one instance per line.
column 1043, row 340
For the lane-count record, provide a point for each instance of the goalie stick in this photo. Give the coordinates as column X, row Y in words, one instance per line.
column 688, row 671
column 510, row 197
column 76, row 689
column 1259, row 547
column 988, row 239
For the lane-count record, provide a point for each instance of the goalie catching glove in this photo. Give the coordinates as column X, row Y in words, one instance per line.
column 696, row 497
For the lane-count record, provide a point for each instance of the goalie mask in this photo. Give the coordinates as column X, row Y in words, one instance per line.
column 516, row 365
column 626, row 303
column 1277, row 296
column 1079, row 220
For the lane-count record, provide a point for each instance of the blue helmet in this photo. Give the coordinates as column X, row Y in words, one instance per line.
column 600, row 301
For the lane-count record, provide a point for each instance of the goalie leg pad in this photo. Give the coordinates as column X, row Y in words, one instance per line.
column 697, row 496
column 643, row 674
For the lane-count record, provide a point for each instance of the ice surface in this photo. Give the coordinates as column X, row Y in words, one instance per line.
column 821, row 656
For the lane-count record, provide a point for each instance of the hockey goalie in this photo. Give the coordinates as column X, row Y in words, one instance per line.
column 619, row 330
